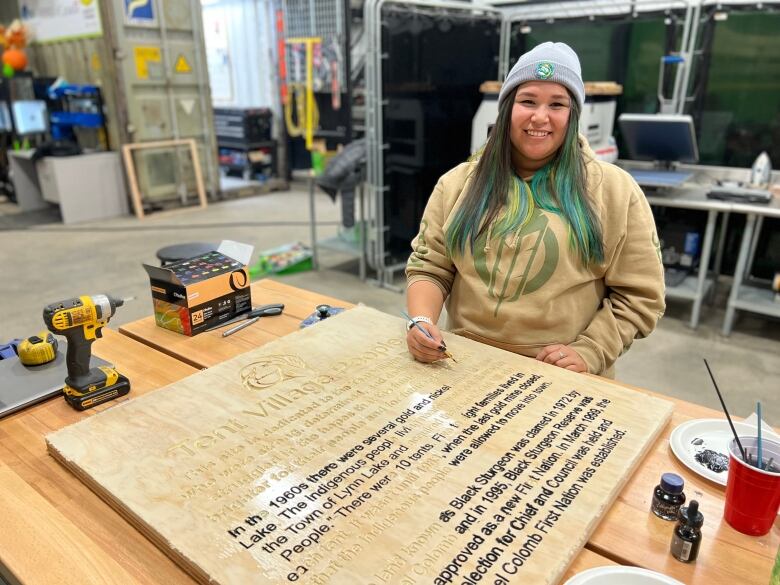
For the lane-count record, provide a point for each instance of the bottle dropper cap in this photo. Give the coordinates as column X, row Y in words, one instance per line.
column 691, row 515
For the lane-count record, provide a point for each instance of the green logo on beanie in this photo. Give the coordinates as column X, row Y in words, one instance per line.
column 544, row 70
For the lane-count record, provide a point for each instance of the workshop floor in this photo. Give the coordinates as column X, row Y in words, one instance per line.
column 44, row 261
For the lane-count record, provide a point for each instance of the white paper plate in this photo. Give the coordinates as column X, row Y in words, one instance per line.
column 620, row 576
column 695, row 436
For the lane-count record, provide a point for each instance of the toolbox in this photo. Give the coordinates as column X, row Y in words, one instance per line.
column 241, row 127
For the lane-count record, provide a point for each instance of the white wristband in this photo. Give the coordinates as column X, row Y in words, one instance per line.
column 417, row 319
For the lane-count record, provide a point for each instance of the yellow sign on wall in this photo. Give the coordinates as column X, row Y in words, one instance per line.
column 181, row 65
column 143, row 57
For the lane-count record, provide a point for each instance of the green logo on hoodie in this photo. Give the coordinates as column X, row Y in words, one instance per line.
column 509, row 283
column 657, row 246
column 421, row 248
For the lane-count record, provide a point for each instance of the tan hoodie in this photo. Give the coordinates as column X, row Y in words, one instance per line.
column 531, row 289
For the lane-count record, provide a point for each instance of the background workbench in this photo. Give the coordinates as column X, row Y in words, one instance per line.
column 696, row 287
column 210, row 348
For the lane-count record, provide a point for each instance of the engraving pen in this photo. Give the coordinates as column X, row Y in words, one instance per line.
column 441, row 348
column 240, row 326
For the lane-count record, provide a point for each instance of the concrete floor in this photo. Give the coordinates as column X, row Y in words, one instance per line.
column 44, row 261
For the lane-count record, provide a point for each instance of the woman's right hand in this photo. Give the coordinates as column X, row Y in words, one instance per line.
column 424, row 349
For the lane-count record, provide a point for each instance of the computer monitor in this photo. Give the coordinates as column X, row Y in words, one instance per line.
column 665, row 138
column 30, row 117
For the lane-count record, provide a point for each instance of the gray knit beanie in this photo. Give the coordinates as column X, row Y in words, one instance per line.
column 549, row 61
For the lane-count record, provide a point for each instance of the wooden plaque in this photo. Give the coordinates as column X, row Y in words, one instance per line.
column 330, row 456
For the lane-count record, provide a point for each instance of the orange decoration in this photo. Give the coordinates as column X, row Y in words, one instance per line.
column 15, row 58
column 15, row 35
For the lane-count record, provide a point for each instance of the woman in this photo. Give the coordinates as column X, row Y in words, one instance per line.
column 537, row 247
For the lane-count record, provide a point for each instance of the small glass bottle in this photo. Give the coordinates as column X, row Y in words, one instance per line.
column 687, row 534
column 668, row 496
column 775, row 577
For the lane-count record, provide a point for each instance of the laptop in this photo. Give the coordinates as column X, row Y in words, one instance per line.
column 659, row 178
column 22, row 386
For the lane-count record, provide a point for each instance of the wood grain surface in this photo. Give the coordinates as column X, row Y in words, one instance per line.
column 631, row 535
column 55, row 530
column 726, row 556
column 52, row 528
column 210, row 348
column 42, row 505
column 331, row 456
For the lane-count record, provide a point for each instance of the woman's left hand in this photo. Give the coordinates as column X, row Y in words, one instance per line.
column 562, row 356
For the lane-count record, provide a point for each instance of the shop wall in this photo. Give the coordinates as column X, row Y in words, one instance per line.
column 8, row 11
column 740, row 116
column 736, row 77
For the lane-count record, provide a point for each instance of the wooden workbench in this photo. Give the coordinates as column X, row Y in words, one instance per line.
column 629, row 534
column 43, row 506
column 54, row 529
column 210, row 348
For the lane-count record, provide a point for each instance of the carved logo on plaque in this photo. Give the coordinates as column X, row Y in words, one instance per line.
column 272, row 370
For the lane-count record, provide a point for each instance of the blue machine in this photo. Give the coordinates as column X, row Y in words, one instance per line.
column 82, row 107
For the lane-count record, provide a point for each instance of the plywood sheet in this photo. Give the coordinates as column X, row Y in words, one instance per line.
column 330, row 456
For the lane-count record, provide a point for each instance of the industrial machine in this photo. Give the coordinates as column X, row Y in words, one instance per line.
column 81, row 321
column 245, row 143
column 74, row 109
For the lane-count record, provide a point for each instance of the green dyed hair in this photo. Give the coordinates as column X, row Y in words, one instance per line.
column 500, row 200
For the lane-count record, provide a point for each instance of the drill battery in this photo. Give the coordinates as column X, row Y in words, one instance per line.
column 115, row 386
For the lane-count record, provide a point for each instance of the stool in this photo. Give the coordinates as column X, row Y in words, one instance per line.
column 176, row 252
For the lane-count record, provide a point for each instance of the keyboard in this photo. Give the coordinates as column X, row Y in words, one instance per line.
column 659, row 178
column 741, row 194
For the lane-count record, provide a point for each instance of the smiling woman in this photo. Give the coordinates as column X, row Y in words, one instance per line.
column 540, row 119
column 536, row 246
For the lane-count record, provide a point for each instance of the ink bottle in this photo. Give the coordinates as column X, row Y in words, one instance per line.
column 687, row 534
column 668, row 496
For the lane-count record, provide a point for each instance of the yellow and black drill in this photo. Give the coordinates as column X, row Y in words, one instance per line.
column 81, row 321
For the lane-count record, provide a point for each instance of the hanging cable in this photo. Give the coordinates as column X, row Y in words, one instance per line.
column 302, row 93
column 335, row 66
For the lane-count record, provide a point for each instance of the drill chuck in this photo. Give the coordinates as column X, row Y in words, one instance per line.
column 80, row 311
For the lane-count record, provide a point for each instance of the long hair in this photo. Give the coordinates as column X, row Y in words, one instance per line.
column 501, row 201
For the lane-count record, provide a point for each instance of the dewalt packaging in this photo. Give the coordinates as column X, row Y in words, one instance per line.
column 191, row 295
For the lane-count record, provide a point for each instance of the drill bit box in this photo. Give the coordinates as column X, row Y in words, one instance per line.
column 192, row 295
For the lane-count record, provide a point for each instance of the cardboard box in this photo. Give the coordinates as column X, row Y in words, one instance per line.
column 192, row 295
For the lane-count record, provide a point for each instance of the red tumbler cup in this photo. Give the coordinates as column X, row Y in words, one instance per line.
column 753, row 494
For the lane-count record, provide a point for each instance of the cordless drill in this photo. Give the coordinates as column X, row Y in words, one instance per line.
column 81, row 321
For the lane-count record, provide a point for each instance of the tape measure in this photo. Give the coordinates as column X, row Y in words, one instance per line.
column 38, row 350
